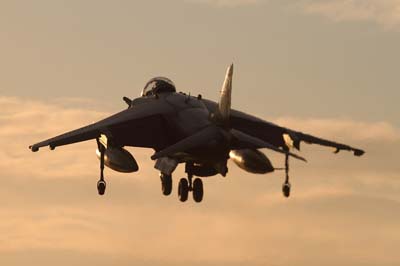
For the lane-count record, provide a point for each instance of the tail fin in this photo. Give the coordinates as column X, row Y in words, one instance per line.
column 224, row 105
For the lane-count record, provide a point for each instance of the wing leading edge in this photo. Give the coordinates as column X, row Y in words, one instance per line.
column 275, row 134
column 140, row 126
column 278, row 135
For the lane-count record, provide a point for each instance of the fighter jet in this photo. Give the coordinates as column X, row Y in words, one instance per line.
column 181, row 128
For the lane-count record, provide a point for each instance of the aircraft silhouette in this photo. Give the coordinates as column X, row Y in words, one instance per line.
column 181, row 128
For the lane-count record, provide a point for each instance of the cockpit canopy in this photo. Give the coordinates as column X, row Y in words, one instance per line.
column 158, row 85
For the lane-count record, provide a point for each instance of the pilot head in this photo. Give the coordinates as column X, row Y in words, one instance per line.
column 158, row 85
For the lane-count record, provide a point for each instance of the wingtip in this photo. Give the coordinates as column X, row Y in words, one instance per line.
column 358, row 152
column 33, row 148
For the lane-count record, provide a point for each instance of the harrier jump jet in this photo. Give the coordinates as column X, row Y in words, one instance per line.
column 181, row 128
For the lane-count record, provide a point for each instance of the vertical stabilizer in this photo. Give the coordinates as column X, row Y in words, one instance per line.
column 224, row 105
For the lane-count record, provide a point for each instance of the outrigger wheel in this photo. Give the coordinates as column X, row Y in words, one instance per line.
column 286, row 186
column 101, row 187
column 101, row 184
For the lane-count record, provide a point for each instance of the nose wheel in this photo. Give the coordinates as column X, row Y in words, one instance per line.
column 166, row 184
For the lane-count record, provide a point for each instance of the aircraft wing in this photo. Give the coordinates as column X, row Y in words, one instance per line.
column 139, row 126
column 281, row 136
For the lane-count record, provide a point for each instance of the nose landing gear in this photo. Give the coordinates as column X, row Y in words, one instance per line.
column 166, row 184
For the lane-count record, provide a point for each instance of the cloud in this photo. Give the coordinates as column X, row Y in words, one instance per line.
column 227, row 3
column 50, row 205
column 345, row 129
column 24, row 122
column 382, row 12
column 307, row 232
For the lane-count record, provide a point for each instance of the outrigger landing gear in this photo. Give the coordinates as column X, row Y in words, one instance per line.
column 101, row 184
column 286, row 186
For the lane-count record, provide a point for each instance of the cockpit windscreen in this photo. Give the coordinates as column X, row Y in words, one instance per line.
column 158, row 85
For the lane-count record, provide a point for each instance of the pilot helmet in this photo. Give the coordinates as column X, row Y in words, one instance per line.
column 158, row 85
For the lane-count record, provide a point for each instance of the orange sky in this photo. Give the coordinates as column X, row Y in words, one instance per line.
column 324, row 67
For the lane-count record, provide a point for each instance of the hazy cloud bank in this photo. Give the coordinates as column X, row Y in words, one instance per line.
column 50, row 203
column 226, row 3
column 345, row 129
column 385, row 13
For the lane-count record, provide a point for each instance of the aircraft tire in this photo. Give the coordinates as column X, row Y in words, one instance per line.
column 183, row 189
column 101, row 187
column 198, row 191
column 166, row 184
column 286, row 190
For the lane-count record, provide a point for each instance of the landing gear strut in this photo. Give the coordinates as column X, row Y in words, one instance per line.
column 101, row 184
column 286, row 186
column 188, row 185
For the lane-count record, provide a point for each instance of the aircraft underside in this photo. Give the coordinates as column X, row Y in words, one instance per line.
column 198, row 132
column 205, row 162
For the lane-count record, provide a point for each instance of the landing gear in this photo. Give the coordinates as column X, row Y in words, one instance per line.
column 183, row 189
column 286, row 189
column 101, row 187
column 101, row 184
column 187, row 185
column 166, row 184
column 286, row 186
column 198, row 190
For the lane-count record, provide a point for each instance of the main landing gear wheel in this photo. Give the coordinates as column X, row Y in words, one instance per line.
column 101, row 187
column 198, row 190
column 166, row 184
column 183, row 189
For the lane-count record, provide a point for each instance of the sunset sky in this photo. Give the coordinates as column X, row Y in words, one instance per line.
column 325, row 67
